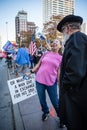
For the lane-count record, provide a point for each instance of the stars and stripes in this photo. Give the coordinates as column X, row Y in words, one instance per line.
column 32, row 48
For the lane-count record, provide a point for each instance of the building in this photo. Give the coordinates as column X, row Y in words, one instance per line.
column 20, row 24
column 53, row 12
column 57, row 7
column 50, row 28
column 23, row 27
column 84, row 28
column 31, row 26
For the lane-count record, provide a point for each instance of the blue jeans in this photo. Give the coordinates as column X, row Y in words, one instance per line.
column 53, row 95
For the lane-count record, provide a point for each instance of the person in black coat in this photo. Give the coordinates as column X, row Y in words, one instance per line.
column 73, row 75
column 9, row 60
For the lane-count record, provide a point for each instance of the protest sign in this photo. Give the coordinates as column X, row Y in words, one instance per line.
column 8, row 47
column 21, row 89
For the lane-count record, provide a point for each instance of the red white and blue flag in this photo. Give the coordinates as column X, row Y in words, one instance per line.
column 32, row 48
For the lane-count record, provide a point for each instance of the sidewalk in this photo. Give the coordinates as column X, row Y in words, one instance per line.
column 6, row 111
column 27, row 115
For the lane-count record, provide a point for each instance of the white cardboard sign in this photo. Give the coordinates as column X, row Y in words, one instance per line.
column 21, row 89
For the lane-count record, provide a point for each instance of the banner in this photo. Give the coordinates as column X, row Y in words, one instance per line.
column 8, row 47
column 41, row 36
column 21, row 89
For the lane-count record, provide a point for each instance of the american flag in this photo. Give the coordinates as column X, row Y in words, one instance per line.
column 32, row 48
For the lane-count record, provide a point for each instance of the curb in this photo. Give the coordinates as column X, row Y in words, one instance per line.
column 17, row 117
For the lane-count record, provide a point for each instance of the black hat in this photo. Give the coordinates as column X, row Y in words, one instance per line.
column 69, row 19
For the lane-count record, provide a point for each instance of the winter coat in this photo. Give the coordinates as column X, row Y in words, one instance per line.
column 73, row 83
column 22, row 57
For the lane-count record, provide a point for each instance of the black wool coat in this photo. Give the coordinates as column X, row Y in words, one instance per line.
column 73, row 83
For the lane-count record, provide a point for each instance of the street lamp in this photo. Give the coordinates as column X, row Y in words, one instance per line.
column 7, row 29
column 19, row 39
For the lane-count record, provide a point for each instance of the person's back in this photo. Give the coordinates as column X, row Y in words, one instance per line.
column 22, row 60
column 22, row 57
column 9, row 60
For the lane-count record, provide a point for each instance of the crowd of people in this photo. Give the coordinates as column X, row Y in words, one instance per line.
column 64, row 69
column 20, row 59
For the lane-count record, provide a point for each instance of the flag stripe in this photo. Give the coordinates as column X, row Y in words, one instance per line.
column 32, row 48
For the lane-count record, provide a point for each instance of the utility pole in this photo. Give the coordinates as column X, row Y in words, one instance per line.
column 7, row 29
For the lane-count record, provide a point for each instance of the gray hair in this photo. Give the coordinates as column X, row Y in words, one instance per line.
column 75, row 25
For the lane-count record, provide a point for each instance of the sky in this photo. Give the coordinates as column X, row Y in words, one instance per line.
column 10, row 8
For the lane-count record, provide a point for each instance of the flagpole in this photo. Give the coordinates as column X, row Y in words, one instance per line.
column 7, row 29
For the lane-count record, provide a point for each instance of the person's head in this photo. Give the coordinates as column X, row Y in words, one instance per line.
column 40, row 48
column 56, row 45
column 69, row 24
column 23, row 45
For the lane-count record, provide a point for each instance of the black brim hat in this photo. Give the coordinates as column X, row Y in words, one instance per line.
column 69, row 19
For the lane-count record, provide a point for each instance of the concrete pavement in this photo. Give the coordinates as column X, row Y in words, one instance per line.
column 6, row 110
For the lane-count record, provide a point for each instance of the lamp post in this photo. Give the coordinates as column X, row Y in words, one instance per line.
column 19, row 39
column 7, row 29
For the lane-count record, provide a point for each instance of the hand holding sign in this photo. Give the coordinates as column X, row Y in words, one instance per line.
column 21, row 89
